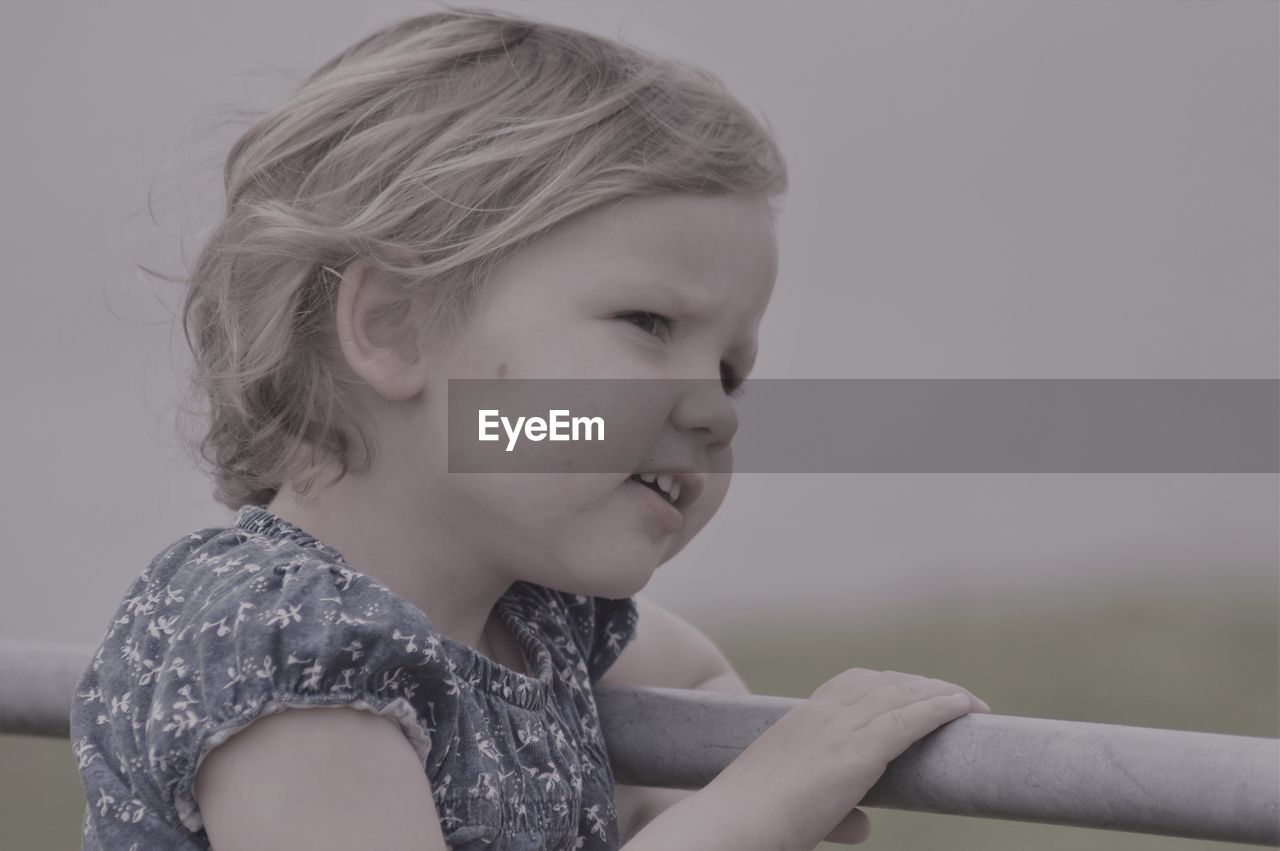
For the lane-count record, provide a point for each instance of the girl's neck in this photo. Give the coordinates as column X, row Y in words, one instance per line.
column 408, row 556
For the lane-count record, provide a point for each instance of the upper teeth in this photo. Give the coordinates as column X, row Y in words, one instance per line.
column 668, row 484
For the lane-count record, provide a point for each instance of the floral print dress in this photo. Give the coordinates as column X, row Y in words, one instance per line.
column 232, row 624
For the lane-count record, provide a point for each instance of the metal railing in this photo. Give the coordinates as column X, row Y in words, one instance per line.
column 1136, row 779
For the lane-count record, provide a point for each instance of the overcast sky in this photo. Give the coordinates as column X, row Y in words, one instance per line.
column 1008, row 189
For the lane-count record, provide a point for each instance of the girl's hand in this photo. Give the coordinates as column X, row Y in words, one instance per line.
column 803, row 777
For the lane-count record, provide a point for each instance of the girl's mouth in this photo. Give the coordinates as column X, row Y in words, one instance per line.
column 658, row 504
column 664, row 485
column 680, row 485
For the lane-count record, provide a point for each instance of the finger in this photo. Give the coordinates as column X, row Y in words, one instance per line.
column 886, row 736
column 893, row 695
column 854, row 684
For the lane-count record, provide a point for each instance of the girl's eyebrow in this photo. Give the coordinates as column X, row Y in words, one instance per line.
column 684, row 301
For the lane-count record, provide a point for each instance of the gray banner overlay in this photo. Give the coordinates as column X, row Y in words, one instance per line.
column 878, row 425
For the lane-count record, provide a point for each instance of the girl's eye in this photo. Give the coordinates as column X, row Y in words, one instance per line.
column 653, row 323
column 733, row 385
column 661, row 326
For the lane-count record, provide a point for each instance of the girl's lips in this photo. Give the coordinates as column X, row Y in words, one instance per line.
column 666, row 515
column 692, row 482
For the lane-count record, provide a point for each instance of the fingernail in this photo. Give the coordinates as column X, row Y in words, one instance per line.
column 983, row 703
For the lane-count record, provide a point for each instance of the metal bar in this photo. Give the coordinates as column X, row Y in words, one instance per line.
column 37, row 681
column 1136, row 779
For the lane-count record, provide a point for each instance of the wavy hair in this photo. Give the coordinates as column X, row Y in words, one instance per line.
column 431, row 150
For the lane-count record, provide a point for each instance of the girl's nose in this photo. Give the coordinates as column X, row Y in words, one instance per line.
column 703, row 407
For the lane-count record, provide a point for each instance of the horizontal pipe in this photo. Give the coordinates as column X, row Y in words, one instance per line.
column 1136, row 779
column 37, row 682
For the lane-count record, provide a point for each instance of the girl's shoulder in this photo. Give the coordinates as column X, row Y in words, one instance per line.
column 263, row 599
column 230, row 624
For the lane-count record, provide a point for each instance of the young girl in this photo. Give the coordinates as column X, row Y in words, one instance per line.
column 463, row 194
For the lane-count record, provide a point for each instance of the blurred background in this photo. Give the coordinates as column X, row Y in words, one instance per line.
column 979, row 189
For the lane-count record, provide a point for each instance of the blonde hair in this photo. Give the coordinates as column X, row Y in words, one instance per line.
column 431, row 150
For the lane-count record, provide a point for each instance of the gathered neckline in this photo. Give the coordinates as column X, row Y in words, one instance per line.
column 517, row 604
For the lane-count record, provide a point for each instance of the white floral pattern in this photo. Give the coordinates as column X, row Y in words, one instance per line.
column 231, row 624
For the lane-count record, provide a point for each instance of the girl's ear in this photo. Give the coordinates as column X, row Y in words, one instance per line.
column 376, row 333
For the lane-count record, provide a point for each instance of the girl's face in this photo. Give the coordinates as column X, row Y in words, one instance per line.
column 661, row 287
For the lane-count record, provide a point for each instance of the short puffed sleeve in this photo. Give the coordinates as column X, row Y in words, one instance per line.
column 602, row 626
column 305, row 634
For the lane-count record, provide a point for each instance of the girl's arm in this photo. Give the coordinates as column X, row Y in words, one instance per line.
column 315, row 779
column 666, row 652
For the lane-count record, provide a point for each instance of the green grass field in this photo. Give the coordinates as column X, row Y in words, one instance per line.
column 1208, row 664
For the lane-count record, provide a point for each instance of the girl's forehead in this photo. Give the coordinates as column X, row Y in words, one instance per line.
column 693, row 251
column 675, row 230
column 710, row 258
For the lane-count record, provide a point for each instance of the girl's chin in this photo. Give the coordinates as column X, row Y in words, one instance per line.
column 617, row 575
